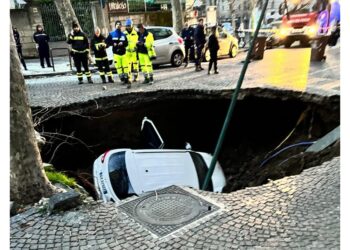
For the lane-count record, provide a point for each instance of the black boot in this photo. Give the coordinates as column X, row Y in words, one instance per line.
column 80, row 80
column 110, row 79
column 90, row 80
column 103, row 79
column 151, row 79
column 146, row 81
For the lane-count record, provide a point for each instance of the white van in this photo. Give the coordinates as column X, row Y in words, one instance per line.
column 121, row 172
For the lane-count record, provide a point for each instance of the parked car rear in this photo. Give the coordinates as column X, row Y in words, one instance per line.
column 169, row 46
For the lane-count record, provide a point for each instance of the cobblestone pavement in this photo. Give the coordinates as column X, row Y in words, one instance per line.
column 281, row 68
column 296, row 212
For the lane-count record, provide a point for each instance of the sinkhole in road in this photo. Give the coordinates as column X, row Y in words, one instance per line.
column 259, row 124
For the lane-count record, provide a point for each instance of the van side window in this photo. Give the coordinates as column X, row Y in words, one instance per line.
column 118, row 175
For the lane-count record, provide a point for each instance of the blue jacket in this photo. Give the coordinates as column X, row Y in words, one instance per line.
column 114, row 38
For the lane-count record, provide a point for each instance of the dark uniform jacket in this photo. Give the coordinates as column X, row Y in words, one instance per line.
column 114, row 38
column 141, row 48
column 213, row 43
column 188, row 35
column 42, row 39
column 79, row 42
column 199, row 35
column 99, row 46
column 17, row 38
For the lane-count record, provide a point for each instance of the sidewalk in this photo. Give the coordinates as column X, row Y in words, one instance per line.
column 61, row 64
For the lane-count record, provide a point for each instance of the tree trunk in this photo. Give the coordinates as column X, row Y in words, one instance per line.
column 28, row 182
column 177, row 15
column 67, row 14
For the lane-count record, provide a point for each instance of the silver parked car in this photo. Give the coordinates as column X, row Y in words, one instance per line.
column 168, row 45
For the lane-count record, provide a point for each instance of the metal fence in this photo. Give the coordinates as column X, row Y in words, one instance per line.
column 53, row 25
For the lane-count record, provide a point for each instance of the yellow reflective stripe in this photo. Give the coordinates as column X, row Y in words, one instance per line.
column 109, row 73
column 102, row 73
column 78, row 38
column 98, row 44
column 101, row 58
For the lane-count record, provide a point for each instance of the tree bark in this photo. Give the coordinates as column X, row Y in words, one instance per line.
column 67, row 14
column 177, row 15
column 28, row 182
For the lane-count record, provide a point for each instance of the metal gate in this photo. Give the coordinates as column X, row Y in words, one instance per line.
column 52, row 22
column 53, row 25
column 83, row 12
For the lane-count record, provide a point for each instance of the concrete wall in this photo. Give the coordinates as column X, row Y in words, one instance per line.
column 25, row 20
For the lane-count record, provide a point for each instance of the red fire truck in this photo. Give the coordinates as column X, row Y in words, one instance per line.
column 303, row 20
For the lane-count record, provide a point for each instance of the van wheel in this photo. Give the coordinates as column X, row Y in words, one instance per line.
column 177, row 58
column 287, row 43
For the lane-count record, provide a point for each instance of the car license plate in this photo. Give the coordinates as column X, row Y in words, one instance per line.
column 297, row 31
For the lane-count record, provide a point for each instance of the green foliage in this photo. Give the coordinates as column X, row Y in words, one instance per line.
column 58, row 177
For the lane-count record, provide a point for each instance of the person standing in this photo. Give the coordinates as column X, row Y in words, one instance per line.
column 42, row 44
column 187, row 34
column 119, row 41
column 131, row 53
column 146, row 53
column 19, row 47
column 199, row 38
column 80, row 51
column 213, row 46
column 99, row 46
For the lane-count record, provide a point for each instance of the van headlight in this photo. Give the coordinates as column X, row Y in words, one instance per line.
column 312, row 31
column 283, row 32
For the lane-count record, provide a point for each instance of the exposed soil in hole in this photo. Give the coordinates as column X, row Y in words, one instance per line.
column 259, row 124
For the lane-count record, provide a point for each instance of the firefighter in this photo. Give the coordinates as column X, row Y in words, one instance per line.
column 80, row 51
column 42, row 44
column 99, row 46
column 131, row 54
column 118, row 40
column 19, row 47
column 146, row 53
column 199, row 38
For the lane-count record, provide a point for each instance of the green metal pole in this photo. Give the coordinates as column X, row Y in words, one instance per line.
column 233, row 102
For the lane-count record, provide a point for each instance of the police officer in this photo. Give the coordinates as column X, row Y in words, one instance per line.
column 99, row 47
column 199, row 38
column 146, row 53
column 187, row 34
column 80, row 51
column 131, row 53
column 118, row 40
column 42, row 41
column 19, row 47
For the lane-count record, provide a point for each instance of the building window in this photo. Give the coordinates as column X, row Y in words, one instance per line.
column 136, row 6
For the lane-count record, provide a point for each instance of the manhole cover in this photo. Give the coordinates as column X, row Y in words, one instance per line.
column 167, row 210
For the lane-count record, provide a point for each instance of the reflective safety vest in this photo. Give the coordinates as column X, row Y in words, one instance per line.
column 147, row 47
column 132, row 40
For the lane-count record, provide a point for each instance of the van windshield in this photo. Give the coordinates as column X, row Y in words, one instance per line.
column 118, row 174
column 305, row 6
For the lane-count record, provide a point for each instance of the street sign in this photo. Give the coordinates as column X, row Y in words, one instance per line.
column 117, row 6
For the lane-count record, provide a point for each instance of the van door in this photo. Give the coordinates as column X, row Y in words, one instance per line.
column 150, row 135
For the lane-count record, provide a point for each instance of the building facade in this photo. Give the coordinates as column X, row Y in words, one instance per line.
column 241, row 11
